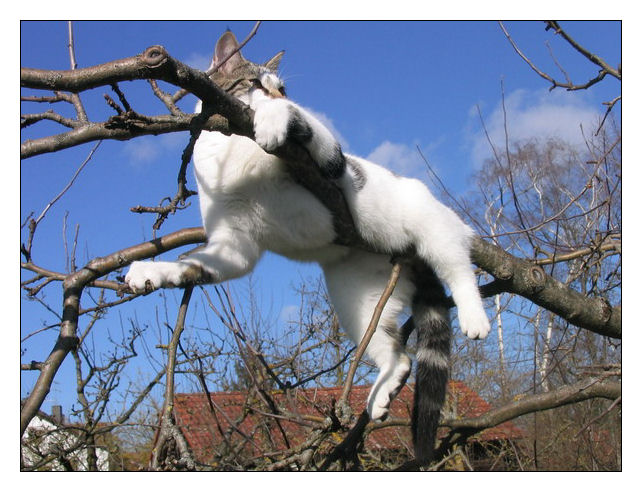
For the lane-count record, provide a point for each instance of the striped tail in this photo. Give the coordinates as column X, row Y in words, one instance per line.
column 431, row 320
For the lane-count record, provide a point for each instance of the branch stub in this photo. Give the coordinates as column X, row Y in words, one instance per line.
column 154, row 56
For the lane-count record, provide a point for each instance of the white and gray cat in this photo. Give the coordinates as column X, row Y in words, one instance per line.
column 249, row 205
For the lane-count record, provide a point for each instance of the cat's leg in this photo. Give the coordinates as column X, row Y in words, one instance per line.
column 394, row 364
column 443, row 241
column 224, row 257
column 355, row 285
column 472, row 317
column 455, row 271
column 278, row 119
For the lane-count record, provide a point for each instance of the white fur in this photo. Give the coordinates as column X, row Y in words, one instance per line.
column 271, row 119
column 249, row 204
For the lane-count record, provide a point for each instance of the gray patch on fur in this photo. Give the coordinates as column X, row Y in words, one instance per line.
column 298, row 127
column 432, row 357
column 358, row 176
column 394, row 333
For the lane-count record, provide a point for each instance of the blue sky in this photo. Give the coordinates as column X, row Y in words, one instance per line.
column 384, row 87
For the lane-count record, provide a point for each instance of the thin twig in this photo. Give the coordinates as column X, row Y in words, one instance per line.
column 605, row 69
column 609, row 107
column 615, row 403
column 584, row 52
column 34, row 223
column 75, row 98
column 182, row 92
column 70, row 45
column 392, row 282
column 168, row 428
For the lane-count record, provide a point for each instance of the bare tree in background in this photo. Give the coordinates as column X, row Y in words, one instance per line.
column 549, row 253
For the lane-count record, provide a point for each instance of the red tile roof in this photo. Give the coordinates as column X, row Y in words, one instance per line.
column 205, row 429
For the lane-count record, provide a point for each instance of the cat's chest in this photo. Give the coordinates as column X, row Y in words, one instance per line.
column 233, row 163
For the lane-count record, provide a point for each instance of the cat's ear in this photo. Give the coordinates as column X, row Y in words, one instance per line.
column 273, row 63
column 226, row 44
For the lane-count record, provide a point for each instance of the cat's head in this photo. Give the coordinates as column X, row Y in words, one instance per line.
column 242, row 78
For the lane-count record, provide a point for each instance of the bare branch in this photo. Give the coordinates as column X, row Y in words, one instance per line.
column 74, row 98
column 34, row 223
column 580, row 391
column 528, row 280
column 169, row 431
column 372, row 327
column 605, row 69
column 73, row 286
column 584, row 52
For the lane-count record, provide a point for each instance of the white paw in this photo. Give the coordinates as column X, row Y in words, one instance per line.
column 386, row 387
column 145, row 276
column 473, row 323
column 271, row 121
column 378, row 408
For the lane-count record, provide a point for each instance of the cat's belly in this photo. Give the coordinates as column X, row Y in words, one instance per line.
column 244, row 189
column 296, row 226
column 323, row 255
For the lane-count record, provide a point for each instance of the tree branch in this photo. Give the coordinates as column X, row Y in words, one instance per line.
column 155, row 63
column 73, row 286
column 169, row 432
column 529, row 280
column 367, row 336
column 605, row 69
column 461, row 429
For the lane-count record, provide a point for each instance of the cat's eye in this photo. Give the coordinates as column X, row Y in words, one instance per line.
column 256, row 83
column 282, row 91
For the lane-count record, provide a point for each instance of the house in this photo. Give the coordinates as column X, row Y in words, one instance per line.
column 220, row 423
column 48, row 444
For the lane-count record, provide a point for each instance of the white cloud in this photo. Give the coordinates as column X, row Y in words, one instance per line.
column 289, row 314
column 141, row 150
column 144, row 150
column 399, row 158
column 198, row 61
column 533, row 115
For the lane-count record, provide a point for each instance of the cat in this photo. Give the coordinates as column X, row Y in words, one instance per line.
column 249, row 204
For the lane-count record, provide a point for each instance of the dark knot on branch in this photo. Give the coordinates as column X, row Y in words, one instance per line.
column 536, row 278
column 154, row 56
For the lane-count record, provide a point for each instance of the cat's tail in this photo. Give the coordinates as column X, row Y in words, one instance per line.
column 432, row 323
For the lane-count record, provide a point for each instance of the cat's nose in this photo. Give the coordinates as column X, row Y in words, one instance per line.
column 275, row 93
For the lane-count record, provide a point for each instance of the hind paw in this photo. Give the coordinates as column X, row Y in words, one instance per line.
column 378, row 409
column 474, row 325
column 386, row 388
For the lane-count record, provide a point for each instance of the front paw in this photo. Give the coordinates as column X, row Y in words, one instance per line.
column 143, row 277
column 271, row 123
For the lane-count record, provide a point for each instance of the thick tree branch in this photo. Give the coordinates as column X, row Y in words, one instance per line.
column 529, row 280
column 462, row 429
